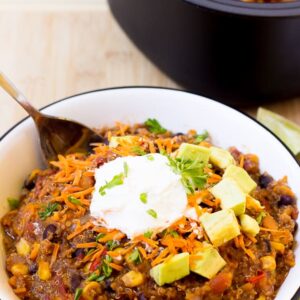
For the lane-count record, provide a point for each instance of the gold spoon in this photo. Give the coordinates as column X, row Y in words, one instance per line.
column 56, row 135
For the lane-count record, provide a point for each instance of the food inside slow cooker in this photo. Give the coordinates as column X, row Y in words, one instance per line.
column 151, row 215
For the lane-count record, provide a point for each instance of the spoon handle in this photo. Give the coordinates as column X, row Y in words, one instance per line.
column 9, row 87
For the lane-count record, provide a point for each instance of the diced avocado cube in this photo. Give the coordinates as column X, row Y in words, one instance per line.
column 207, row 261
column 221, row 226
column 220, row 157
column 231, row 195
column 249, row 225
column 115, row 140
column 174, row 269
column 246, row 183
column 193, row 152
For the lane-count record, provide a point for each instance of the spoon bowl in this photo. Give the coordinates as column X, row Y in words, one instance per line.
column 56, row 135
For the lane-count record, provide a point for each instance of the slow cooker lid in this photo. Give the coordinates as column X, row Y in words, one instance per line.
column 238, row 7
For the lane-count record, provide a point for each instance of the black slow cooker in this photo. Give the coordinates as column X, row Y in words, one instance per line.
column 236, row 52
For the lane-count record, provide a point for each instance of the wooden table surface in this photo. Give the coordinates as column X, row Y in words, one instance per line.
column 52, row 50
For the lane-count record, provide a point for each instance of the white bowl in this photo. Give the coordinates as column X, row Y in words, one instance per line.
column 176, row 110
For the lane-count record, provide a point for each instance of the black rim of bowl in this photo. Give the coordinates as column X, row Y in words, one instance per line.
column 238, row 7
column 158, row 88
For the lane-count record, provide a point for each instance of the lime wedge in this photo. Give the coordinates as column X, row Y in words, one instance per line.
column 286, row 130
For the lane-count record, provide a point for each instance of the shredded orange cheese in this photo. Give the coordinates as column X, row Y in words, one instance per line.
column 54, row 254
column 79, row 229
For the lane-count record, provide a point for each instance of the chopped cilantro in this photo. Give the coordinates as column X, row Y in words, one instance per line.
column 148, row 234
column 152, row 213
column 100, row 278
column 111, row 245
column 48, row 211
column 174, row 233
column 116, row 180
column 90, row 251
column 162, row 151
column 135, row 256
column 78, row 293
column 74, row 200
column 154, row 126
column 164, row 232
column 192, row 173
column 106, row 268
column 150, row 157
column 13, row 203
column 201, row 137
column 125, row 166
column 260, row 217
column 138, row 150
column 96, row 277
column 100, row 236
column 144, row 197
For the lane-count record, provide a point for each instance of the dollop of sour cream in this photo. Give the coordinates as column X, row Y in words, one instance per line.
column 138, row 194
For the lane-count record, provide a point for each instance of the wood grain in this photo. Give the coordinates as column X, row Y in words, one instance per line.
column 53, row 51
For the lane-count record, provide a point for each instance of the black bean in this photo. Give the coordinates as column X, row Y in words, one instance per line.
column 178, row 134
column 49, row 232
column 33, row 268
column 142, row 297
column 78, row 253
column 285, row 200
column 268, row 245
column 107, row 286
column 264, row 180
column 29, row 184
column 75, row 282
column 295, row 228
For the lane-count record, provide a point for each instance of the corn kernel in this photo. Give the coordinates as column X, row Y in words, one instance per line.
column 86, row 268
column 35, row 251
column 133, row 278
column 23, row 247
column 13, row 281
column 268, row 263
column 20, row 269
column 278, row 247
column 91, row 290
column 44, row 271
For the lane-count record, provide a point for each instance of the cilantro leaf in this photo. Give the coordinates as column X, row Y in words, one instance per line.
column 106, row 268
column 96, row 277
column 78, row 293
column 144, row 197
column 116, row 180
column 92, row 250
column 148, row 234
column 112, row 244
column 100, row 236
column 152, row 213
column 201, row 137
column 48, row 211
column 138, row 150
column 135, row 256
column 153, row 126
column 174, row 233
column 126, row 168
column 13, row 203
column 192, row 173
column 74, row 200
column 150, row 157
column 100, row 278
